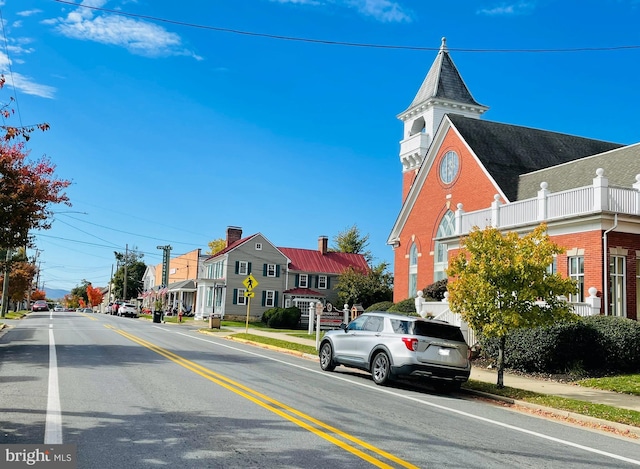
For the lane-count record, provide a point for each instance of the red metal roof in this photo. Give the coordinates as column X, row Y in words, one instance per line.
column 312, row 260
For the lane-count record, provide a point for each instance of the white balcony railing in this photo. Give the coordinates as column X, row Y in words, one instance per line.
column 546, row 206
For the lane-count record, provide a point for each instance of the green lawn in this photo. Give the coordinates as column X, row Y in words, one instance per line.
column 626, row 384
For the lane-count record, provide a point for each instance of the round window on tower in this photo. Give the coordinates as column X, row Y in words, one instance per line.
column 449, row 167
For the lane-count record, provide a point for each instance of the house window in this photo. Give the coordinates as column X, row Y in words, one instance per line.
column 413, row 270
column 210, row 297
column 617, row 280
column 446, row 228
column 304, row 281
column 576, row 273
column 258, row 246
column 243, row 268
column 215, row 270
column 241, row 299
column 270, row 298
column 271, row 270
column 322, row 282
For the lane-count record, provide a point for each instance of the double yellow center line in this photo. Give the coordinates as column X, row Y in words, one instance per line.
column 349, row 443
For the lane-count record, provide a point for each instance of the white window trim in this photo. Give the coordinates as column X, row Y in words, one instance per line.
column 322, row 282
column 270, row 298
column 241, row 300
column 271, row 273
column 245, row 270
column 306, row 281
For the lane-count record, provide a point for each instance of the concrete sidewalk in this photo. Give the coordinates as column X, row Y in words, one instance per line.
column 571, row 391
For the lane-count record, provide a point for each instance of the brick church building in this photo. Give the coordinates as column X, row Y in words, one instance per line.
column 461, row 171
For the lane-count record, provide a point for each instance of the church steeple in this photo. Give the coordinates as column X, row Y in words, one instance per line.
column 443, row 91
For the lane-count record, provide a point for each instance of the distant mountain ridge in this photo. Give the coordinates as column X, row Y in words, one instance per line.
column 55, row 294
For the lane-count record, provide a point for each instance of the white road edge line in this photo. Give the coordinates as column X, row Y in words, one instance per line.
column 431, row 404
column 53, row 422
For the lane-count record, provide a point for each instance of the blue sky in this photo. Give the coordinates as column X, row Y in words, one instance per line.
column 172, row 130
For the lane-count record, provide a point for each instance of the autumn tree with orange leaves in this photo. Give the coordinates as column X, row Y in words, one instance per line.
column 28, row 189
column 94, row 295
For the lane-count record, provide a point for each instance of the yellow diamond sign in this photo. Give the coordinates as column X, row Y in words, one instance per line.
column 250, row 282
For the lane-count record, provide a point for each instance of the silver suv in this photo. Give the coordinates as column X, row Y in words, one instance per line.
column 390, row 345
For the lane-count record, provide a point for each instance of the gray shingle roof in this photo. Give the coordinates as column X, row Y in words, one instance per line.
column 620, row 167
column 507, row 151
column 444, row 82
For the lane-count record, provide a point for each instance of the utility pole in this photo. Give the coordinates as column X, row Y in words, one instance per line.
column 126, row 261
column 5, row 285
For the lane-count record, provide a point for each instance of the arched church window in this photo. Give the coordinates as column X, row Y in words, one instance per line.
column 413, row 270
column 446, row 228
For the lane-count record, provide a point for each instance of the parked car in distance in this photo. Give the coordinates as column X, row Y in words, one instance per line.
column 392, row 345
column 87, row 310
column 128, row 310
column 58, row 308
column 39, row 305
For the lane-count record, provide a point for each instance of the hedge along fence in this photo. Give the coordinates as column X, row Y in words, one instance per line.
column 282, row 318
column 601, row 344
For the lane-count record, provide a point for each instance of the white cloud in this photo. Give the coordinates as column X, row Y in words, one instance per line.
column 23, row 83
column 387, row 11
column 29, row 12
column 138, row 37
column 506, row 9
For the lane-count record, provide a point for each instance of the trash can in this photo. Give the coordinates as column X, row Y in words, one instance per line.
column 157, row 317
column 214, row 321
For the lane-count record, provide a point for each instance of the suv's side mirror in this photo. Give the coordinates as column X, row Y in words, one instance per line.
column 343, row 326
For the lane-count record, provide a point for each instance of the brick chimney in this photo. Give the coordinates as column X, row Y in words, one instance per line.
column 234, row 233
column 322, row 244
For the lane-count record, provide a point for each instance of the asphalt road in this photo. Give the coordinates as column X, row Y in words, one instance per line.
column 133, row 394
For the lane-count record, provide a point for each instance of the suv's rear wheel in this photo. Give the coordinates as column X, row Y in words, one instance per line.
column 326, row 357
column 381, row 368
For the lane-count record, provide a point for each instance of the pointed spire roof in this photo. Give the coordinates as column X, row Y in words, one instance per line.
column 443, row 82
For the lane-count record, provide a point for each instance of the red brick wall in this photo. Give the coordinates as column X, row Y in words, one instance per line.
column 471, row 187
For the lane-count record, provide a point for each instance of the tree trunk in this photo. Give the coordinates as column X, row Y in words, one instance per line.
column 500, row 383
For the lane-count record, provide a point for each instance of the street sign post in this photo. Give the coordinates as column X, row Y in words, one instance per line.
column 249, row 283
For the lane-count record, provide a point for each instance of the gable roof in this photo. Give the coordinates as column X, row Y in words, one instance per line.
column 232, row 246
column 444, row 82
column 311, row 260
column 620, row 167
column 507, row 151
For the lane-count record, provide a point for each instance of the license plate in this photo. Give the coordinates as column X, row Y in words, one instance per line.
column 444, row 352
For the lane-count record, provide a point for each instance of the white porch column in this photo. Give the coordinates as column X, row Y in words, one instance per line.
column 594, row 302
column 543, row 193
column 600, row 191
column 458, row 223
column 312, row 313
column 495, row 211
column 636, row 186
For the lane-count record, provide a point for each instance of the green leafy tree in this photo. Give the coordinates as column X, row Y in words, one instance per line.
column 79, row 292
column 500, row 282
column 366, row 288
column 350, row 240
column 216, row 246
column 131, row 261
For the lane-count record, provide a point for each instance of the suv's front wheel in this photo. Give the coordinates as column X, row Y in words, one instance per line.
column 381, row 368
column 326, row 357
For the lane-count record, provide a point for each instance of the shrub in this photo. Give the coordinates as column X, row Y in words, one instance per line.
column 282, row 318
column 404, row 306
column 435, row 291
column 596, row 344
column 382, row 306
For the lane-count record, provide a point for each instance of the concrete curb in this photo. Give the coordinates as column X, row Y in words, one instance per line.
column 626, row 430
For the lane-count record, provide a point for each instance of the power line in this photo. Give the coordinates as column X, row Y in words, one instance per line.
column 339, row 43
